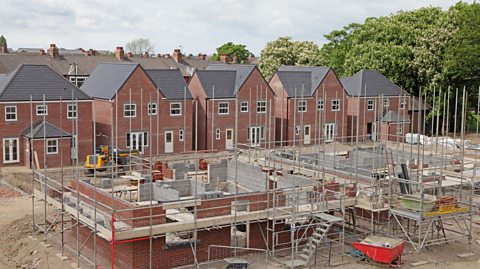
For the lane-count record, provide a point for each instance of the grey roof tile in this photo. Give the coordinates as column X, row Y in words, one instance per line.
column 371, row 82
column 107, row 79
column 35, row 81
column 301, row 79
column 40, row 127
column 242, row 71
column 170, row 82
column 220, row 83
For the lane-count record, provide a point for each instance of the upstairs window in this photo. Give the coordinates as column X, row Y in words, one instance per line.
column 71, row 111
column 336, row 105
column 152, row 109
column 10, row 113
column 42, row 110
column 302, row 106
column 175, row 109
column 244, row 106
column 261, row 106
column 320, row 104
column 129, row 110
column 386, row 102
column 370, row 104
column 403, row 102
column 223, row 108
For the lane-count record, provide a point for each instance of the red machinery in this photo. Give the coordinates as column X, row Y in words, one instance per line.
column 382, row 249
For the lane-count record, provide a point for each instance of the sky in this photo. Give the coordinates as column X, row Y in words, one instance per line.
column 195, row 26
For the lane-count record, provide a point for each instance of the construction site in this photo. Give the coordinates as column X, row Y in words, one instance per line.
column 275, row 204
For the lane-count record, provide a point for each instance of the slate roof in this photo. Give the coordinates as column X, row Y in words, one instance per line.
column 170, row 82
column 50, row 130
column 222, row 80
column 37, row 80
column 298, row 80
column 372, row 82
column 107, row 79
column 242, row 71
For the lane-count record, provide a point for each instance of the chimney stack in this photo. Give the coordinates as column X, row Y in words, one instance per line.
column 235, row 59
column 129, row 54
column 224, row 58
column 119, row 53
column 91, row 52
column 53, row 51
column 3, row 45
column 177, row 55
column 145, row 54
column 42, row 52
column 202, row 56
column 167, row 56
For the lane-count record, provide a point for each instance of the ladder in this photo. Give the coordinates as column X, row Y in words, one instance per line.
column 323, row 225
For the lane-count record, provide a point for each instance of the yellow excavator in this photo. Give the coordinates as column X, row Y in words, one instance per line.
column 104, row 159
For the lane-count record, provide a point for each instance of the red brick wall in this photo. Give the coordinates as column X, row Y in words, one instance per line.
column 14, row 129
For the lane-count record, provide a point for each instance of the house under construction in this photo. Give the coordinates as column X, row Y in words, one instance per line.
column 263, row 205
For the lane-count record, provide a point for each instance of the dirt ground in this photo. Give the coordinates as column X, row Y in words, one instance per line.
column 19, row 250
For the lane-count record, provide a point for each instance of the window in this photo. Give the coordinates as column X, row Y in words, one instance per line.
column 180, row 135
column 223, row 108
column 335, row 105
column 10, row 113
column 370, row 104
column 152, row 108
column 71, row 111
column 302, row 106
column 244, row 106
column 175, row 109
column 11, row 150
column 403, row 102
column 261, row 106
column 52, row 146
column 129, row 110
column 297, row 130
column 399, row 129
column 386, row 102
column 79, row 81
column 42, row 110
column 138, row 138
column 320, row 104
column 217, row 133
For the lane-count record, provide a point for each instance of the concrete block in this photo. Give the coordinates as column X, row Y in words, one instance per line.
column 62, row 257
column 465, row 255
column 419, row 263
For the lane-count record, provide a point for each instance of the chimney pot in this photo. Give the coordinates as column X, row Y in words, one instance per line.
column 167, row 55
column 224, row 58
column 202, row 56
column 42, row 52
column 129, row 54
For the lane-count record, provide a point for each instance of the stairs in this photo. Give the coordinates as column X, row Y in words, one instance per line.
column 324, row 223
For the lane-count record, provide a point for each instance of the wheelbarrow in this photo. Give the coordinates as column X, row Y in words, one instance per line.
column 382, row 249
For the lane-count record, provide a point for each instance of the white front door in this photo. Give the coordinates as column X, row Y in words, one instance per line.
column 329, row 131
column 168, row 141
column 11, row 150
column 137, row 141
column 306, row 134
column 255, row 136
column 229, row 138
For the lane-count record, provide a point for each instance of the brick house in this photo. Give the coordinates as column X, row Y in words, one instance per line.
column 146, row 110
column 216, row 90
column 45, row 129
column 310, row 105
column 378, row 107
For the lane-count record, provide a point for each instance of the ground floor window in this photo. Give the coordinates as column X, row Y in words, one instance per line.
column 52, row 146
column 11, row 151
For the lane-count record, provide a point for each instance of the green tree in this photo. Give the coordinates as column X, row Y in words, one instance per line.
column 285, row 51
column 140, row 46
column 240, row 51
column 3, row 40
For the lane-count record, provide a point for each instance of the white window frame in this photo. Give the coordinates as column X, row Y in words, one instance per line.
column 45, row 110
column 320, row 104
column 217, row 133
column 50, row 146
column 386, row 102
column 220, row 108
column 9, row 140
column 72, row 111
column 297, row 130
column 262, row 106
column 370, row 104
column 75, row 80
column 302, row 104
column 244, row 106
column 132, row 108
column 400, row 129
column 181, row 135
column 176, row 109
column 333, row 103
column 152, row 109
column 7, row 113
column 403, row 102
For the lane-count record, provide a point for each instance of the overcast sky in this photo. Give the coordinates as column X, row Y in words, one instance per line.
column 195, row 25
